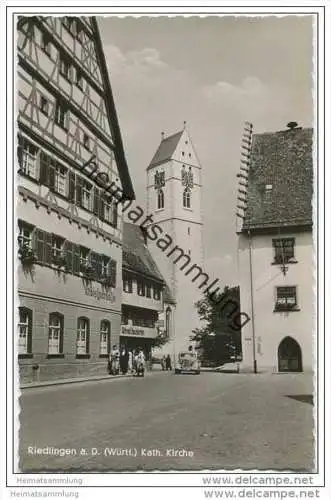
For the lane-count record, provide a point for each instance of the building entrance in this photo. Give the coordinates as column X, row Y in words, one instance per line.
column 289, row 356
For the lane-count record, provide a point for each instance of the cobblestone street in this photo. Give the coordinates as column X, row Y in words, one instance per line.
column 221, row 421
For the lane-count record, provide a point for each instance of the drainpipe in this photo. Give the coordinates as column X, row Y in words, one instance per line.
column 252, row 300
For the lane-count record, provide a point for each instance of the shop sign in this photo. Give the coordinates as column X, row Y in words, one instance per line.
column 130, row 330
column 100, row 294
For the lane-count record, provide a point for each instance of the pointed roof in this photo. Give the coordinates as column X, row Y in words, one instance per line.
column 166, row 149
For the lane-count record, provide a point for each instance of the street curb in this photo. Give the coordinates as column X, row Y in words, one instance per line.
column 72, row 381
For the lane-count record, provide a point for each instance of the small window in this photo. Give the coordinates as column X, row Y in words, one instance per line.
column 82, row 343
column 79, row 79
column 25, row 236
column 65, row 67
column 86, row 141
column 62, row 115
column 84, row 258
column 183, row 154
column 148, row 290
column 57, row 249
column 127, row 283
column 140, row 287
column 157, row 292
column 25, row 331
column 60, row 179
column 188, row 230
column 283, row 250
column 189, row 155
column 55, row 333
column 104, row 337
column 286, row 298
column 46, row 44
column 44, row 105
column 28, row 155
column 160, row 199
column 189, row 252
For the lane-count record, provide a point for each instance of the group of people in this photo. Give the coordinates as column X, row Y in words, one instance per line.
column 125, row 361
column 166, row 363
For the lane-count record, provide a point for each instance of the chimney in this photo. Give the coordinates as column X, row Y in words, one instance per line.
column 162, row 135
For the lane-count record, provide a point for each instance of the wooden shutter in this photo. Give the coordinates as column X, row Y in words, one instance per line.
column 72, row 183
column 79, row 182
column 44, row 167
column 114, row 214
column 51, row 175
column 102, row 206
column 93, row 259
column 68, row 255
column 87, row 336
column 40, row 245
column 61, row 318
column 48, row 248
column 112, row 272
column 76, row 258
column 98, row 268
column 29, row 339
column 96, row 201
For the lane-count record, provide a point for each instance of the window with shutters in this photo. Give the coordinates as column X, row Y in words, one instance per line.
column 25, row 235
column 104, row 337
column 62, row 115
column 82, row 343
column 55, row 334
column 43, row 246
column 58, row 250
column 104, row 266
column 60, row 179
column 25, row 331
column 86, row 194
column 127, row 282
column 28, row 158
column 286, row 298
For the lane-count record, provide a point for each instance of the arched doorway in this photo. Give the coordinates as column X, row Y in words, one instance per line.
column 289, row 356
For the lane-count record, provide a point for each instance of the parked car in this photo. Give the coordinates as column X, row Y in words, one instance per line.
column 187, row 362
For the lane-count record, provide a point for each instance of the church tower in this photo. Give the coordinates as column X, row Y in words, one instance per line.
column 174, row 202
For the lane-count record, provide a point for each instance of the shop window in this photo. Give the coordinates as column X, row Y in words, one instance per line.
column 55, row 334
column 82, row 336
column 104, row 337
column 25, row 331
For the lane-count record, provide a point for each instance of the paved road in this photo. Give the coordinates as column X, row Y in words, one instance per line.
column 222, row 421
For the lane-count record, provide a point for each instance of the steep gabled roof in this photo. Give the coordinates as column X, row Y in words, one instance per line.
column 136, row 255
column 166, row 149
column 123, row 170
column 280, row 180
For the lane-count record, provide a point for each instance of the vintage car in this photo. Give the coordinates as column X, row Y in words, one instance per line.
column 187, row 362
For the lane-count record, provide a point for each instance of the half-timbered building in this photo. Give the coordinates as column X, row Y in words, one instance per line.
column 69, row 226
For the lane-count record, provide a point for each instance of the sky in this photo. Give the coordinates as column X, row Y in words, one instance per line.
column 214, row 73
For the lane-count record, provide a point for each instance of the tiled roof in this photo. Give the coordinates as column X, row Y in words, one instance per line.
column 136, row 255
column 280, row 180
column 166, row 149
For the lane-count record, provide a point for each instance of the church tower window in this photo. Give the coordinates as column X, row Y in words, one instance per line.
column 160, row 199
column 187, row 198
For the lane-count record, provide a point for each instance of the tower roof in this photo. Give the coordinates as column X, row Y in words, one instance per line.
column 166, row 149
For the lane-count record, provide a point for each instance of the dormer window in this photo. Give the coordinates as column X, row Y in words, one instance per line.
column 160, row 199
